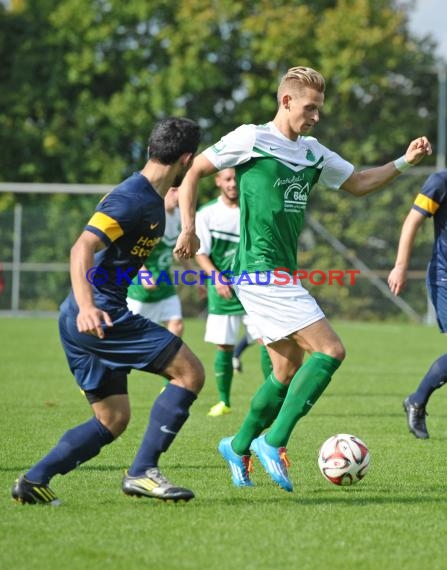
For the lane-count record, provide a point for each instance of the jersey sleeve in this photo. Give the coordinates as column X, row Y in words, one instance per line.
column 113, row 216
column 233, row 148
column 336, row 169
column 203, row 233
column 432, row 194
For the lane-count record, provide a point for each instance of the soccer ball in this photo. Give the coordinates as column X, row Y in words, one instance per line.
column 343, row 459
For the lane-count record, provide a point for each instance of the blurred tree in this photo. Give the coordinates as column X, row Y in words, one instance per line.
column 83, row 80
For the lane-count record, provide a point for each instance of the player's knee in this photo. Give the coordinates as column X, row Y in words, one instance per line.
column 116, row 422
column 283, row 374
column 187, row 371
column 338, row 351
column 197, row 375
column 194, row 374
column 119, row 426
column 190, row 374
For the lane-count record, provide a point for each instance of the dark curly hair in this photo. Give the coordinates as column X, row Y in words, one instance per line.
column 172, row 137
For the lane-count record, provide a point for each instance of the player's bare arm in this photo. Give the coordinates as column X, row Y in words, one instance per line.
column 208, row 267
column 188, row 243
column 90, row 318
column 146, row 283
column 201, row 289
column 367, row 181
column 398, row 276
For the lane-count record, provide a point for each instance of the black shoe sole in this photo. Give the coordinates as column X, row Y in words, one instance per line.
column 163, row 499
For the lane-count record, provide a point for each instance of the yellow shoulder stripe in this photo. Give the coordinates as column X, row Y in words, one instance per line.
column 426, row 203
column 107, row 225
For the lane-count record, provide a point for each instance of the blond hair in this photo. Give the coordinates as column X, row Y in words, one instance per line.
column 298, row 78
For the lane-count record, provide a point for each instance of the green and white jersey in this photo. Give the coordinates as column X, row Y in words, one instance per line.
column 159, row 264
column 217, row 226
column 275, row 176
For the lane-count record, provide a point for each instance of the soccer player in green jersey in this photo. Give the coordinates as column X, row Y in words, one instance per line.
column 277, row 165
column 217, row 224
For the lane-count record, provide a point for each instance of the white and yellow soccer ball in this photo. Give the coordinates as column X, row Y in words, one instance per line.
column 344, row 459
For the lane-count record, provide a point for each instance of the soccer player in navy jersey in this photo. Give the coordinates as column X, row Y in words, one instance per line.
column 103, row 340
column 430, row 202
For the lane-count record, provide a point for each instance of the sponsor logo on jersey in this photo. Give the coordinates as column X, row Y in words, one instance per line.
column 296, row 192
column 295, row 197
column 144, row 246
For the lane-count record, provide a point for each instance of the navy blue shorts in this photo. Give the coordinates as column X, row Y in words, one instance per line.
column 438, row 296
column 133, row 342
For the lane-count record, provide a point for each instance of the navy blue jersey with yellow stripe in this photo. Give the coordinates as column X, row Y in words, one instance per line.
column 432, row 201
column 130, row 221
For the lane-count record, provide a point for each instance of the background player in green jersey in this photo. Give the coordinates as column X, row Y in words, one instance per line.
column 159, row 302
column 218, row 224
column 277, row 165
column 430, row 202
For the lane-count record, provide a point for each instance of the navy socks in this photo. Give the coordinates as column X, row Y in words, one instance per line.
column 83, row 442
column 76, row 446
column 434, row 379
column 169, row 412
column 241, row 346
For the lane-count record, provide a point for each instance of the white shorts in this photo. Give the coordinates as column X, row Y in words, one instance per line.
column 223, row 329
column 250, row 328
column 169, row 309
column 277, row 310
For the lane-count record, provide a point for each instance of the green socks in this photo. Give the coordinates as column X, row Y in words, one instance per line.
column 306, row 387
column 264, row 408
column 223, row 371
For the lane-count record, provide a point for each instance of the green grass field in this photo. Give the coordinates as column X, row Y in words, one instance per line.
column 395, row 518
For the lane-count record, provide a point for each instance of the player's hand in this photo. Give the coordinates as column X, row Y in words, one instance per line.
column 397, row 280
column 91, row 321
column 187, row 245
column 202, row 291
column 417, row 149
column 224, row 290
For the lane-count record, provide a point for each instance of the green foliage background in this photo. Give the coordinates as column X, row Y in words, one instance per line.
column 84, row 80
